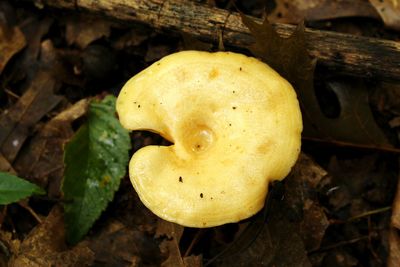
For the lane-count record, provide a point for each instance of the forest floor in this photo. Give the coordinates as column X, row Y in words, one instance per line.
column 338, row 207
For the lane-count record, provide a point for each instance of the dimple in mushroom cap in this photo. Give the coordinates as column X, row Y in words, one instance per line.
column 235, row 125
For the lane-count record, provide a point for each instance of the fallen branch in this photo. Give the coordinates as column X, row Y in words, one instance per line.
column 359, row 56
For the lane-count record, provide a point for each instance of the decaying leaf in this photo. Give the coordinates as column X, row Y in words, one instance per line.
column 133, row 37
column 170, row 245
column 313, row 225
column 389, row 10
column 395, row 220
column 45, row 246
column 294, row 11
column 9, row 246
column 117, row 244
column 301, row 188
column 42, row 160
column 95, row 161
column 290, row 58
column 83, row 30
column 193, row 261
column 12, row 40
column 5, row 166
column 17, row 123
column 171, row 234
column 394, row 248
column 34, row 30
column 360, row 184
column 192, row 43
column 274, row 246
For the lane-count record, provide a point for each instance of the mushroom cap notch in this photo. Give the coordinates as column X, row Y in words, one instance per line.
column 235, row 125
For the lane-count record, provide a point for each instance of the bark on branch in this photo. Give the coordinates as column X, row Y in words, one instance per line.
column 360, row 56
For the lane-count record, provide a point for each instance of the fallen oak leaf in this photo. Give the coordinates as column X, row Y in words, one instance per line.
column 12, row 40
column 117, row 244
column 274, row 246
column 17, row 122
column 394, row 237
column 26, row 66
column 9, row 246
column 5, row 166
column 172, row 233
column 290, row 58
column 394, row 247
column 45, row 246
column 84, row 30
column 389, row 10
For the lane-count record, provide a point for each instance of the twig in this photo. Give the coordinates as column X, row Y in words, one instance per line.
column 353, row 145
column 30, row 210
column 361, row 56
column 369, row 213
column 340, row 244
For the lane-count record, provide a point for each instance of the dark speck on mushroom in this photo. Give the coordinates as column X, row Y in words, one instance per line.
column 138, row 106
column 233, row 107
column 240, row 68
column 180, row 179
column 201, row 195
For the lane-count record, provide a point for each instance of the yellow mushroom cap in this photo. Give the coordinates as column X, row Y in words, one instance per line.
column 235, row 125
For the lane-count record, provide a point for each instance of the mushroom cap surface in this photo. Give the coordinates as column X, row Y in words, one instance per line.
column 234, row 123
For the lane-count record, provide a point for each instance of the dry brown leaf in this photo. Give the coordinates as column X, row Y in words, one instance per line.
column 313, row 225
column 170, row 245
column 394, row 248
column 119, row 245
column 294, row 11
column 389, row 10
column 42, row 160
column 83, row 30
column 395, row 220
column 191, row 43
column 133, row 37
column 9, row 246
column 34, row 30
column 12, row 40
column 5, row 166
column 193, row 261
column 278, row 244
column 301, row 188
column 17, row 123
column 45, row 246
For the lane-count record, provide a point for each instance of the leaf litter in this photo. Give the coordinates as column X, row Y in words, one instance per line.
column 336, row 203
column 18, row 121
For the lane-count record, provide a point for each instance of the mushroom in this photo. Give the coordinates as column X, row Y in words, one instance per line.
column 234, row 123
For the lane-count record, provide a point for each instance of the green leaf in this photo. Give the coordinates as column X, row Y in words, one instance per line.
column 95, row 161
column 13, row 188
